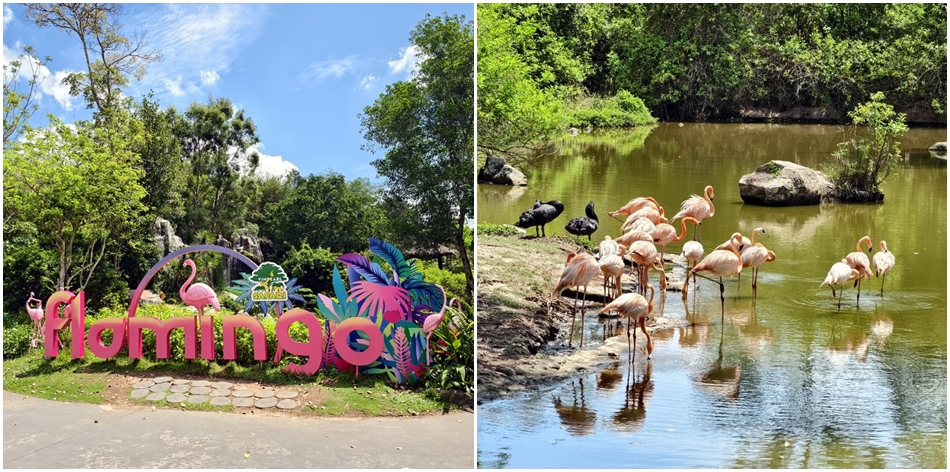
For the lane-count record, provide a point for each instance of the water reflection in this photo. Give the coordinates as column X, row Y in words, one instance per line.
column 609, row 378
column 576, row 417
column 639, row 391
column 853, row 342
column 753, row 334
column 720, row 379
column 881, row 325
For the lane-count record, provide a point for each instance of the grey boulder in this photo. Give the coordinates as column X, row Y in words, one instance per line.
column 783, row 183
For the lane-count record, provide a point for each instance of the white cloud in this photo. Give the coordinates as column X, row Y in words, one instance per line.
column 271, row 166
column 7, row 15
column 209, row 77
column 49, row 83
column 198, row 42
column 174, row 86
column 368, row 82
column 333, row 68
column 408, row 62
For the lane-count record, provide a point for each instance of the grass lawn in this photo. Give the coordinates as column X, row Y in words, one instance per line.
column 94, row 380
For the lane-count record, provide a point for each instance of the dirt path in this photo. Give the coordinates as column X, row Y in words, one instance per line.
column 522, row 329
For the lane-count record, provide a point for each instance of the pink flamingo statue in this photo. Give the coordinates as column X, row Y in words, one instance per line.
column 432, row 322
column 198, row 295
column 36, row 314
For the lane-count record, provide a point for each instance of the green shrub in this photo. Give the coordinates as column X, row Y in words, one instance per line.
column 313, row 268
column 491, row 229
column 861, row 164
column 16, row 340
column 623, row 110
column 453, row 283
column 453, row 353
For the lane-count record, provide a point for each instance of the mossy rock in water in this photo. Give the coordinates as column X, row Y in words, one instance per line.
column 783, row 183
column 858, row 196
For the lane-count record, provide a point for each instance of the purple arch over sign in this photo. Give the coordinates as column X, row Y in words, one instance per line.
column 199, row 248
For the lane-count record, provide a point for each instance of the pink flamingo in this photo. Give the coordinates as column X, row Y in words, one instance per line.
column 635, row 308
column 840, row 273
column 198, row 295
column 608, row 246
column 634, row 205
column 699, row 208
column 644, row 254
column 693, row 252
column 859, row 261
column 883, row 263
column 753, row 255
column 611, row 265
column 433, row 321
column 36, row 314
column 665, row 233
column 579, row 271
column 722, row 263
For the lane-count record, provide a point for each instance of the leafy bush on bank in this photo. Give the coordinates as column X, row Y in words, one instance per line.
column 622, row 110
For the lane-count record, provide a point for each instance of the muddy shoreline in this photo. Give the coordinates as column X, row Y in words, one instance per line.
column 522, row 330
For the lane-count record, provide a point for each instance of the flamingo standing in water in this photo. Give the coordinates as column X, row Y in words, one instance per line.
column 722, row 263
column 634, row 205
column 693, row 252
column 665, row 233
column 883, row 263
column 635, row 308
column 754, row 256
column 644, row 254
column 859, row 261
column 579, row 271
column 699, row 208
column 198, row 295
column 840, row 273
column 611, row 266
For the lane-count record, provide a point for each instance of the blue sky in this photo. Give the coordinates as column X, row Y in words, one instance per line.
column 302, row 72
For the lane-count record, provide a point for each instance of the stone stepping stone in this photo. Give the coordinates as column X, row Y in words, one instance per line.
column 160, row 387
column 159, row 380
column 200, row 390
column 176, row 398
column 143, row 384
column 266, row 403
column 264, row 393
column 200, row 383
column 181, row 381
column 180, row 388
column 220, row 401
column 287, row 404
column 198, row 399
column 141, row 393
column 285, row 394
column 221, row 392
column 243, row 402
column 222, row 385
column 243, row 393
column 155, row 396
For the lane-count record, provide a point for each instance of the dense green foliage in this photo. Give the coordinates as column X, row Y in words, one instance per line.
column 425, row 128
column 492, row 229
column 700, row 62
column 860, row 165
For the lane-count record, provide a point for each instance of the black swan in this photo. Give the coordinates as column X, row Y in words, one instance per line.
column 582, row 226
column 540, row 214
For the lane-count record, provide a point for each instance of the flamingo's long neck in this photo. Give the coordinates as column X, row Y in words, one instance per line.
column 861, row 242
column 884, row 246
column 682, row 229
column 754, row 233
column 181, row 291
column 650, row 305
column 712, row 208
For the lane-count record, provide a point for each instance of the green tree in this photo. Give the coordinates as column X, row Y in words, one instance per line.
column 19, row 106
column 860, row 165
column 324, row 211
column 517, row 117
column 110, row 57
column 78, row 185
column 215, row 140
column 425, row 127
column 162, row 166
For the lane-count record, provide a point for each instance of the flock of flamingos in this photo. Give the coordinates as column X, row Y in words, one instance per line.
column 646, row 228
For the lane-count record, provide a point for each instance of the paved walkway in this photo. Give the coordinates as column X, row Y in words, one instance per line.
column 47, row 434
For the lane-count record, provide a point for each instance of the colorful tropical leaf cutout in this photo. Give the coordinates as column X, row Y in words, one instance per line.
column 377, row 299
column 424, row 293
column 371, row 272
column 394, row 257
column 337, row 310
column 402, row 355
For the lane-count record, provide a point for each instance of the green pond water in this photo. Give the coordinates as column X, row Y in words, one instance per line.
column 787, row 380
